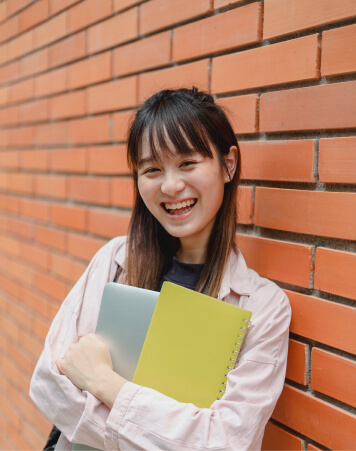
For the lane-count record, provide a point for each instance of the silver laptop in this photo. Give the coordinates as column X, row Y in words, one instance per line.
column 124, row 318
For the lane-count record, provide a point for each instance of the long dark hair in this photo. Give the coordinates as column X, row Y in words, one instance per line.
column 188, row 118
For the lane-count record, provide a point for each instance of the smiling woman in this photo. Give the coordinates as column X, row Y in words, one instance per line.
column 186, row 166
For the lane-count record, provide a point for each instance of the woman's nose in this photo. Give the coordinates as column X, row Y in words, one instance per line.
column 172, row 184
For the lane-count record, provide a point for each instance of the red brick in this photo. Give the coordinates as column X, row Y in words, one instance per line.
column 51, row 82
column 51, row 186
column 242, row 112
column 34, row 254
column 313, row 448
column 10, row 72
column 108, row 160
column 9, row 203
column 278, row 160
column 66, row 267
column 278, row 260
column 10, row 160
column 296, row 364
column 334, row 376
column 20, row 45
column 22, row 136
column 83, row 247
column 20, row 91
column 60, row 5
column 112, row 95
column 37, row 303
column 114, row 31
column 337, row 55
column 67, row 105
column 35, row 111
column 141, row 55
column 52, row 133
column 4, row 94
column 35, row 209
column 288, row 16
column 9, row 29
column 13, row 6
column 4, row 53
column 87, row 13
column 73, row 217
column 3, row 11
column 122, row 192
column 33, row 15
column 34, row 159
column 9, row 116
column 334, row 272
column 158, row 14
column 89, row 71
column 186, row 75
column 89, row 130
column 274, row 64
column 337, row 160
column 10, row 245
column 323, row 321
column 67, row 50
column 51, row 237
column 316, row 419
column 93, row 190
column 68, row 160
column 20, row 227
column 120, row 5
column 309, row 108
column 245, row 204
column 277, row 439
column 21, row 183
column 34, row 63
column 311, row 212
column 50, row 286
column 108, row 223
column 120, row 125
column 209, row 35
column 50, row 31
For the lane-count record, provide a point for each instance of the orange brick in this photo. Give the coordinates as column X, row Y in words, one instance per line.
column 20, row 45
column 10, row 160
column 288, row 16
column 242, row 112
column 83, row 247
column 51, row 82
column 20, row 227
column 34, row 254
column 108, row 224
column 34, row 160
column 9, row 203
column 67, row 105
column 107, row 160
column 120, row 125
column 141, row 55
column 323, row 321
column 159, row 14
column 337, row 55
column 69, row 49
column 13, row 6
column 37, row 303
column 333, row 375
column 33, row 15
column 112, row 95
column 20, row 91
column 9, row 29
column 122, row 192
column 89, row 130
column 277, row 439
column 245, row 204
column 186, row 75
column 87, row 13
column 316, row 419
column 51, row 133
column 2, row 11
column 309, row 108
column 89, row 71
column 66, row 267
column 296, row 364
column 4, row 92
column 68, row 160
column 35, row 111
column 21, row 183
column 274, row 64
column 278, row 260
column 10, row 245
column 50, row 31
column 34, row 63
column 35, row 209
column 9, row 72
column 22, row 136
column 120, row 5
column 278, row 160
column 313, row 448
column 50, row 237
column 337, row 160
column 50, row 186
column 9, row 116
column 311, row 212
column 209, row 35
column 334, row 272
column 93, row 190
column 114, row 31
column 4, row 53
column 60, row 5
column 73, row 217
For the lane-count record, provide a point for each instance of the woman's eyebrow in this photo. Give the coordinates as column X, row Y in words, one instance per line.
column 145, row 160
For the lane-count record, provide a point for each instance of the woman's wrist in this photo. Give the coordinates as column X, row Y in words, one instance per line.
column 108, row 387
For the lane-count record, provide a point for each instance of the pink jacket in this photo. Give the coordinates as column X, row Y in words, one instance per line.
column 142, row 418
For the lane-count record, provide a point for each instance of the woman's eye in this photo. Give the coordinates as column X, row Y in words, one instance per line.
column 150, row 170
column 187, row 163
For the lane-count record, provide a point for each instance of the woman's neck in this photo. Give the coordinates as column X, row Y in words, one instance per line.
column 191, row 252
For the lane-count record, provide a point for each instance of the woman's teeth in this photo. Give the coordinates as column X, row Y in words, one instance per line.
column 180, row 207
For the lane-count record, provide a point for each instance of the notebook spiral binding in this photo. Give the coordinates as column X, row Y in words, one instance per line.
column 234, row 355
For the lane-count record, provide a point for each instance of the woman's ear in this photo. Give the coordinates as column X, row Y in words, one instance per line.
column 231, row 161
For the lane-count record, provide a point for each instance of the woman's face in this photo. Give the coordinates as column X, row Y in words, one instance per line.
column 183, row 192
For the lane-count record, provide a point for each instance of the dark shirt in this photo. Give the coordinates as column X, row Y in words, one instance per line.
column 184, row 274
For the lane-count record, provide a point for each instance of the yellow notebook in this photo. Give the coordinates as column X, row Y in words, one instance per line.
column 192, row 343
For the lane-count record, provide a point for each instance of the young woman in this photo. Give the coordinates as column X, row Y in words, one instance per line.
column 186, row 167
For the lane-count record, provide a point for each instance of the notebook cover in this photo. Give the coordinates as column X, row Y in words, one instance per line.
column 190, row 344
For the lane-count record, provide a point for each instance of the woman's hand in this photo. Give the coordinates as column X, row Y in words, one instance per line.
column 88, row 365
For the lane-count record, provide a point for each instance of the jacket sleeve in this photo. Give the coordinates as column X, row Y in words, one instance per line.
column 80, row 416
column 142, row 418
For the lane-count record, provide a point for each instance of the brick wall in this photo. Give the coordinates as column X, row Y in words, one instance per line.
column 72, row 71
